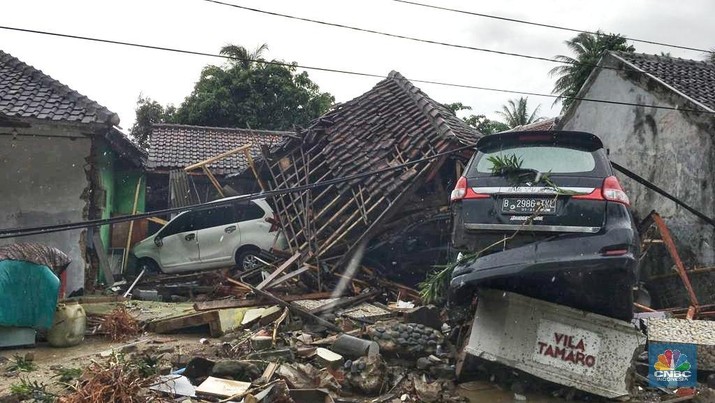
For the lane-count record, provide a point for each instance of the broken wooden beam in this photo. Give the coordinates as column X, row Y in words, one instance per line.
column 250, row 303
column 331, row 306
column 218, row 321
column 294, row 308
column 216, row 158
column 278, row 271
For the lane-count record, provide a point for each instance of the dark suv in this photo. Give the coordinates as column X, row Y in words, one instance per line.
column 557, row 216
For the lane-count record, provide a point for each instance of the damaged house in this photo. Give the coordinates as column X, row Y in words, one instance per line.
column 672, row 148
column 392, row 124
column 174, row 147
column 64, row 160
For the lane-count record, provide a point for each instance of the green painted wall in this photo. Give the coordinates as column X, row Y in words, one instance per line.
column 119, row 187
column 105, row 164
column 125, row 187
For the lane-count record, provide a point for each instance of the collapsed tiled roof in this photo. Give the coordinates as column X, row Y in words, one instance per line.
column 26, row 92
column 693, row 78
column 177, row 146
column 392, row 124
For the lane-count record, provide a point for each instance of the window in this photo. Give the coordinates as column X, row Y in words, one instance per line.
column 547, row 158
column 252, row 212
column 215, row 217
column 182, row 223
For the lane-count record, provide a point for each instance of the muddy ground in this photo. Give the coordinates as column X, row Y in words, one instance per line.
column 48, row 360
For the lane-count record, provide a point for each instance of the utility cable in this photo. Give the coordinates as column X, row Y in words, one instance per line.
column 662, row 192
column 518, row 21
column 44, row 229
column 414, row 39
column 371, row 31
column 355, row 73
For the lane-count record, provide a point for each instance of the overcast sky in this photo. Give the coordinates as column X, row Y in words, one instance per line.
column 115, row 75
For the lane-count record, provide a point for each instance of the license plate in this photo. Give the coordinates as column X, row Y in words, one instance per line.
column 528, row 206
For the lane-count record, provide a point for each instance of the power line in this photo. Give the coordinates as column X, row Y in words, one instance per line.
column 44, row 229
column 371, row 31
column 414, row 39
column 354, row 73
column 515, row 20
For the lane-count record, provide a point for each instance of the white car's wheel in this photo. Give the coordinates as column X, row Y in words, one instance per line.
column 248, row 260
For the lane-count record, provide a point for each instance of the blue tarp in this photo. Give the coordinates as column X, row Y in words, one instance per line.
column 28, row 294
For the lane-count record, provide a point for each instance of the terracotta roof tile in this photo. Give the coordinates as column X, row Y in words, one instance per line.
column 694, row 78
column 177, row 146
column 26, row 92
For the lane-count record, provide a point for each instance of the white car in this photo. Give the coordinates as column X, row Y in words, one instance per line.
column 226, row 235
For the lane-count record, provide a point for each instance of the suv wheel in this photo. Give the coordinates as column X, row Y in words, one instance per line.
column 248, row 260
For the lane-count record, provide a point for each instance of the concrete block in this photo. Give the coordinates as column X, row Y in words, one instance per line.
column 146, row 295
column 553, row 342
column 260, row 343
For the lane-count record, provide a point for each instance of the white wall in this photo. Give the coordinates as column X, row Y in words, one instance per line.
column 43, row 178
column 663, row 146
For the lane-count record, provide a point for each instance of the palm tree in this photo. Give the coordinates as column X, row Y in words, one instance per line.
column 242, row 57
column 587, row 49
column 516, row 113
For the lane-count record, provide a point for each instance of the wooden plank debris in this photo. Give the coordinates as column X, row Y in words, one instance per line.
column 268, row 373
column 294, row 308
column 216, row 158
column 218, row 321
column 344, row 302
column 278, row 271
column 103, row 259
column 125, row 258
column 289, row 276
column 249, row 303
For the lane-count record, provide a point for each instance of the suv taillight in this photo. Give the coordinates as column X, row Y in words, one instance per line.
column 611, row 191
column 462, row 191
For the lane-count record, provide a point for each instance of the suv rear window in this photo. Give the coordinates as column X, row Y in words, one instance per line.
column 544, row 158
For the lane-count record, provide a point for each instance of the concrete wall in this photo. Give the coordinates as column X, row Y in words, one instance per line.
column 666, row 147
column 43, row 179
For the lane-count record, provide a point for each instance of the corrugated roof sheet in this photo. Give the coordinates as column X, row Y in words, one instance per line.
column 26, row 92
column 177, row 146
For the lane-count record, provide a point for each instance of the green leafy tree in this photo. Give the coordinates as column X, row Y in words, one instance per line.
column 242, row 56
column 479, row 122
column 245, row 92
column 587, row 50
column 248, row 92
column 149, row 112
column 516, row 113
column 711, row 55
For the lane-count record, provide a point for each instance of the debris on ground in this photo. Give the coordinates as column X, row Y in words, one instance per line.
column 117, row 380
column 119, row 325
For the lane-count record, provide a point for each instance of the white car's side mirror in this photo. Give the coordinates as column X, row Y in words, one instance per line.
column 158, row 242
